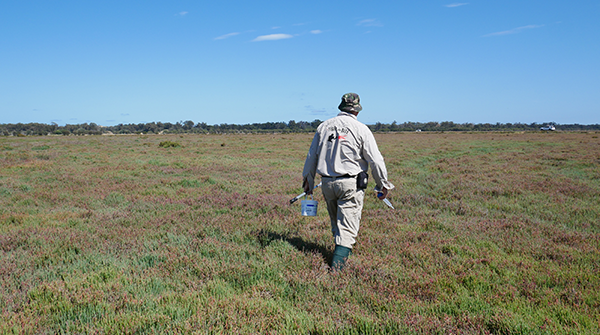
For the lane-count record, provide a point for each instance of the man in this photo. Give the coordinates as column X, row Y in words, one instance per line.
column 341, row 152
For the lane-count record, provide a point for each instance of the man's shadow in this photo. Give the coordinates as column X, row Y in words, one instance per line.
column 266, row 237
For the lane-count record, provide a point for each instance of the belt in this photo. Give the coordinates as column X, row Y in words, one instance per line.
column 339, row 177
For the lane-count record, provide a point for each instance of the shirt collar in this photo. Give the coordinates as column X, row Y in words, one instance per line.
column 348, row 114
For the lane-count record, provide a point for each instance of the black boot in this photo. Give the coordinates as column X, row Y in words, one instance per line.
column 340, row 255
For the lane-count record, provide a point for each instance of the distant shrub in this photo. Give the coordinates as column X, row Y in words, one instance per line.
column 190, row 183
column 5, row 191
column 156, row 162
column 43, row 157
column 115, row 199
column 168, row 144
column 25, row 188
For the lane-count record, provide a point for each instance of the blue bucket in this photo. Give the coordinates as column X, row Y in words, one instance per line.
column 309, row 207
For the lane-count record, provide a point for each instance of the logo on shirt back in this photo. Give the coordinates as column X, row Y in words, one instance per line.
column 333, row 137
column 338, row 130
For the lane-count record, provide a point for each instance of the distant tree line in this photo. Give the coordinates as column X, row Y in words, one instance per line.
column 451, row 126
column 26, row 129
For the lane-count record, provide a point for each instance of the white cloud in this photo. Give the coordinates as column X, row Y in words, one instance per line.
column 370, row 23
column 315, row 111
column 515, row 30
column 182, row 13
column 315, row 32
column 272, row 37
column 222, row 37
column 456, row 4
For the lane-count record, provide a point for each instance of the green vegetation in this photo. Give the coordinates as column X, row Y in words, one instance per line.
column 169, row 144
column 494, row 233
column 189, row 127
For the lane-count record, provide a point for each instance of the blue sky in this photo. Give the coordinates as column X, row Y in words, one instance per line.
column 112, row 62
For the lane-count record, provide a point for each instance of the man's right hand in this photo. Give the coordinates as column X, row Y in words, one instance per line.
column 383, row 193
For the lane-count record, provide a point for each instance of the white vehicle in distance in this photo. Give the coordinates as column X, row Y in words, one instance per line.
column 548, row 128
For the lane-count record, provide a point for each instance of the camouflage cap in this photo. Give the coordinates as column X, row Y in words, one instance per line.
column 350, row 103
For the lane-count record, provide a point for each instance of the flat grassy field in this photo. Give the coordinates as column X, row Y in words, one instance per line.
column 493, row 233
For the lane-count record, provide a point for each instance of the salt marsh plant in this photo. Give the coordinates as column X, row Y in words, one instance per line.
column 494, row 233
column 169, row 144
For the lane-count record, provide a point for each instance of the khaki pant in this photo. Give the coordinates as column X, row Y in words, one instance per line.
column 344, row 204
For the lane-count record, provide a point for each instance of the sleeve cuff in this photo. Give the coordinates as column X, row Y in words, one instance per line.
column 389, row 186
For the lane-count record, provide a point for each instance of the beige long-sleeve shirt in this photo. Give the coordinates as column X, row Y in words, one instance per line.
column 344, row 146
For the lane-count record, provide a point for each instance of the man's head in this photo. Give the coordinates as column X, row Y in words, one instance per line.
column 350, row 103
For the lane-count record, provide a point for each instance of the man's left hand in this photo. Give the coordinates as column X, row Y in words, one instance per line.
column 306, row 187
